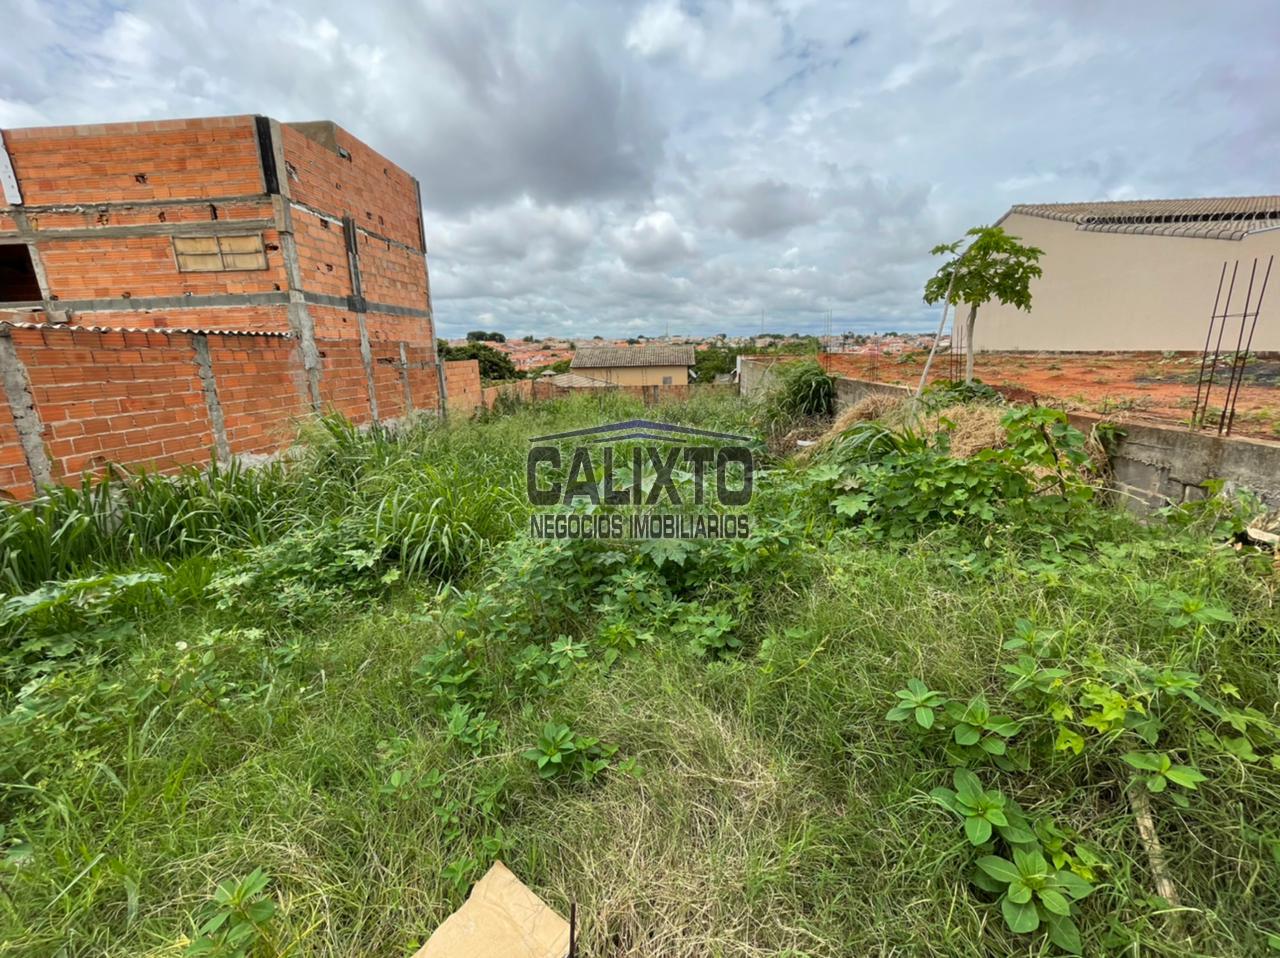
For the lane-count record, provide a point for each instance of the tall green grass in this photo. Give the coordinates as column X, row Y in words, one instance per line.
column 124, row 518
column 770, row 810
column 799, row 391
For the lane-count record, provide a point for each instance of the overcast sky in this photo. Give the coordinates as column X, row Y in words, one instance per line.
column 612, row 167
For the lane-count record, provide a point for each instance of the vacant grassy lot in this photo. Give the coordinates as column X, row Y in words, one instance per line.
column 931, row 707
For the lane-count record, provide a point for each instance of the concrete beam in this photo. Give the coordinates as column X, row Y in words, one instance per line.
column 343, row 302
column 108, row 205
column 404, row 378
column 201, row 228
column 217, row 422
column 136, row 304
column 337, row 220
column 357, row 298
column 299, row 318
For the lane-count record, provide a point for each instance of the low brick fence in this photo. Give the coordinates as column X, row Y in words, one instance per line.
column 75, row 399
column 534, row 390
column 521, row 390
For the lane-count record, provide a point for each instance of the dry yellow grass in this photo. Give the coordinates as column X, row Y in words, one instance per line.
column 972, row 428
column 878, row 406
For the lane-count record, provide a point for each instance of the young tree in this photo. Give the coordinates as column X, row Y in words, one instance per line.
column 994, row 266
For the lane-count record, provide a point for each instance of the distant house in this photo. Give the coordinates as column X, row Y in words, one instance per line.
column 1139, row 275
column 653, row 365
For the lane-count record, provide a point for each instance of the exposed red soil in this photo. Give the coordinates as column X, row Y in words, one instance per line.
column 1123, row 386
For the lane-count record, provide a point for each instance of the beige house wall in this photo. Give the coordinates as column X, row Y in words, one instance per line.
column 1122, row 291
column 636, row 375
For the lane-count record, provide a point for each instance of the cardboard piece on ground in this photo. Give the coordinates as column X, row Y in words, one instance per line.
column 501, row 918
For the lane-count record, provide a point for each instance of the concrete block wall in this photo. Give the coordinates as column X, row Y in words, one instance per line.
column 1154, row 466
column 1151, row 465
column 755, row 374
column 850, row 392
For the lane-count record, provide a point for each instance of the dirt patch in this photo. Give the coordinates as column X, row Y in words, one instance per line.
column 1159, row 387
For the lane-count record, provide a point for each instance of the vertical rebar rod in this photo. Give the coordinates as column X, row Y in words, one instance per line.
column 1208, row 337
column 1257, row 308
column 1235, row 357
column 1217, row 349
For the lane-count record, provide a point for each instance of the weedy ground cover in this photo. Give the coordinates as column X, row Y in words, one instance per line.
column 931, row 706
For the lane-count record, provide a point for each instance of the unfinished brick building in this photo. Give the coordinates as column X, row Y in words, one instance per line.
column 179, row 289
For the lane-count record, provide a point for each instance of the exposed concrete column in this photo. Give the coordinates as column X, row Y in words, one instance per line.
column 217, row 423
column 357, row 304
column 26, row 418
column 300, row 322
column 404, row 378
column 441, row 387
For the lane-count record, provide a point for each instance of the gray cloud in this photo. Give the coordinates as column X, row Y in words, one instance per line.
column 654, row 241
column 617, row 165
column 763, row 208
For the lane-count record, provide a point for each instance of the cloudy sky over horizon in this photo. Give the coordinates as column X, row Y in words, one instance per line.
column 614, row 167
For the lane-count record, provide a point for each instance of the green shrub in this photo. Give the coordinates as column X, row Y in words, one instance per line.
column 801, row 390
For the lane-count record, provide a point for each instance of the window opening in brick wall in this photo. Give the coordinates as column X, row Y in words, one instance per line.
column 213, row 254
column 666, row 380
column 18, row 283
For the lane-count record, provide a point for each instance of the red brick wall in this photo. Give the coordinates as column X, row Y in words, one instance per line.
column 520, row 389
column 133, row 398
column 368, row 187
column 462, row 383
column 114, row 162
column 392, row 274
column 388, row 380
column 109, row 267
column 15, row 477
column 258, row 319
column 407, row 329
column 126, row 213
column 121, row 385
column 322, row 254
column 422, row 378
column 138, row 399
column 343, row 385
column 261, row 390
column 333, row 323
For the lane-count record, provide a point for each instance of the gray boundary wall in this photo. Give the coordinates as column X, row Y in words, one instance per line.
column 1154, row 465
